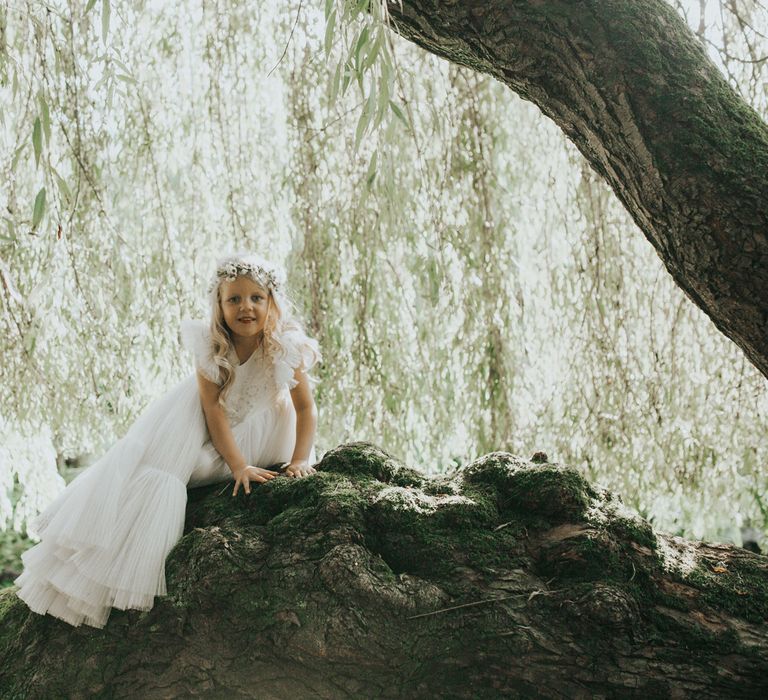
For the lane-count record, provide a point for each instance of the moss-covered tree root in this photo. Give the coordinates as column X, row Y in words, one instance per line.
column 505, row 578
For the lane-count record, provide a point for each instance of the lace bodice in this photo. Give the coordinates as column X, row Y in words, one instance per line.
column 258, row 382
column 253, row 388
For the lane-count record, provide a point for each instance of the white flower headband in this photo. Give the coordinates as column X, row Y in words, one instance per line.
column 233, row 268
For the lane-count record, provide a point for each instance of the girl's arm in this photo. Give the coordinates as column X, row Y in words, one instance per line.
column 218, row 425
column 306, row 425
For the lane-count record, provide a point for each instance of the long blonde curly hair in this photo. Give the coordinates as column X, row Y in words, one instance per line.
column 281, row 311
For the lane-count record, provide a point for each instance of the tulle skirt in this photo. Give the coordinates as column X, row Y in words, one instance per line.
column 104, row 540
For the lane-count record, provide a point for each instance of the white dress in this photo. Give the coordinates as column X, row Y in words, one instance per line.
column 105, row 538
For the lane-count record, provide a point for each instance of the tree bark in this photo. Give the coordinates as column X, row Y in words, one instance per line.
column 634, row 90
column 506, row 578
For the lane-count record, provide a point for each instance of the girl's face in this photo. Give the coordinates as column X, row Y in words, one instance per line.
column 244, row 305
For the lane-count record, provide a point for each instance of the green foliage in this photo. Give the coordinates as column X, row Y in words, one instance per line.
column 39, row 208
column 473, row 285
column 12, row 545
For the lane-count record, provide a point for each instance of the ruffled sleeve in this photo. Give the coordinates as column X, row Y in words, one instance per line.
column 195, row 336
column 298, row 350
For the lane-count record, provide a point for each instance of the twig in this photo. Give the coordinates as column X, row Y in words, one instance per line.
column 463, row 605
column 508, row 632
column 287, row 43
column 482, row 602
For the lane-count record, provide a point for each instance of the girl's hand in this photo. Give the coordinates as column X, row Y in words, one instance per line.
column 247, row 474
column 298, row 468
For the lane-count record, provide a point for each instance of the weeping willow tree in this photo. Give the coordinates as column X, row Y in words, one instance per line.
column 473, row 284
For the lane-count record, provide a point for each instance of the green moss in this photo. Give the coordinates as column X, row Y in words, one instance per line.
column 715, row 117
column 622, row 522
column 342, row 501
column 429, row 535
column 12, row 611
column 292, row 519
column 318, row 504
column 365, row 460
column 490, row 550
column 440, row 486
column 590, row 556
column 633, row 529
column 212, row 505
column 559, row 494
column 741, row 590
column 206, row 561
column 532, row 491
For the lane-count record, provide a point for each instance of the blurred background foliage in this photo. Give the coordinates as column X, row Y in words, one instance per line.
column 473, row 284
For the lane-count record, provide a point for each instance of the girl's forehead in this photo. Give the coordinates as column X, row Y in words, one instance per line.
column 242, row 284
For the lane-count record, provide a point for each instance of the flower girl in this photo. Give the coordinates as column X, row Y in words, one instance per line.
column 248, row 405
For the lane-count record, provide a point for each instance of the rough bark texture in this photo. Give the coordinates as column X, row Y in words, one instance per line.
column 506, row 578
column 634, row 90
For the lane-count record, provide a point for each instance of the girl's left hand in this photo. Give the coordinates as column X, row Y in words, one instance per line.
column 299, row 468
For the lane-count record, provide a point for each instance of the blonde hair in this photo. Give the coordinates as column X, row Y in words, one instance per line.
column 281, row 317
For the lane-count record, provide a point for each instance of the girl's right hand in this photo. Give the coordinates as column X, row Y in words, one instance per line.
column 248, row 474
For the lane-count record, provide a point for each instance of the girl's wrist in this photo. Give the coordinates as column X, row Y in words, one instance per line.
column 237, row 467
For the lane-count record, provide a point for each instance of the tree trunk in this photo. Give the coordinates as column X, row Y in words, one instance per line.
column 633, row 88
column 506, row 578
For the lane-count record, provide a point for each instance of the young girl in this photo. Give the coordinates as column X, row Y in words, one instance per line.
column 249, row 405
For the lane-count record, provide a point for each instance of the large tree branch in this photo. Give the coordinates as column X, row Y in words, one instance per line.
column 507, row 578
column 635, row 91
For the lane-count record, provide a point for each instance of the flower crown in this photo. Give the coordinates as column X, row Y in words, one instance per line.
column 232, row 269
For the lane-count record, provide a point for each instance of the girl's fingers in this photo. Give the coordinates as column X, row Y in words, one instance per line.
column 258, row 478
column 246, row 487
